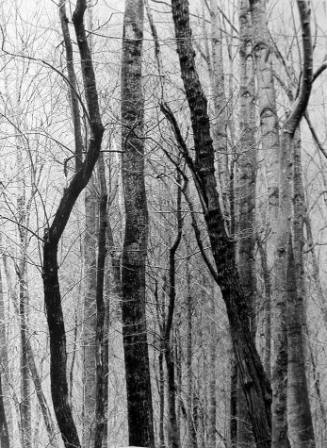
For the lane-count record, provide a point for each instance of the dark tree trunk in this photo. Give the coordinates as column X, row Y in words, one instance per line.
column 52, row 296
column 244, row 200
column 253, row 380
column 4, row 435
column 138, row 381
column 101, row 336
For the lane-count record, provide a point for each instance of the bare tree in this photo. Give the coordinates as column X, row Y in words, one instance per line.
column 139, row 397
column 52, row 297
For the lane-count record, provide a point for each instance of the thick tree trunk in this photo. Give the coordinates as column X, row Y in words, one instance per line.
column 138, row 381
column 252, row 376
column 244, row 201
column 281, row 287
column 299, row 414
column 270, row 147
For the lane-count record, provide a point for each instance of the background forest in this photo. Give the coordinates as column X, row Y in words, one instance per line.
column 163, row 193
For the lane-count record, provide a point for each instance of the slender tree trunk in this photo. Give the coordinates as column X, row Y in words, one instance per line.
column 219, row 125
column 23, row 215
column 189, row 359
column 212, row 405
column 299, row 413
column 252, row 375
column 101, row 328
column 4, row 432
column 138, row 381
column 168, row 348
column 89, row 316
column 233, row 404
column 52, row 296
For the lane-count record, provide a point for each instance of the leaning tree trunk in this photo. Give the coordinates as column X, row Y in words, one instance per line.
column 244, row 201
column 254, row 383
column 138, row 381
column 52, row 296
column 299, row 414
column 270, row 147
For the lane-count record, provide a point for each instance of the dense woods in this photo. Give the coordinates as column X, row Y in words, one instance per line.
column 163, row 224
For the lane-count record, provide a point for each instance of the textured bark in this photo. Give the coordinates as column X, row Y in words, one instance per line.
column 139, row 398
column 100, row 436
column 89, row 315
column 219, row 123
column 267, row 308
column 315, row 269
column 244, row 201
column 281, row 286
column 270, row 147
column 299, row 414
column 252, row 376
column 52, row 296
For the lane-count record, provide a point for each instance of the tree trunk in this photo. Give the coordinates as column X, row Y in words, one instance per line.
column 4, row 432
column 283, row 237
column 100, row 437
column 52, row 296
column 138, row 381
column 23, row 217
column 89, row 316
column 219, row 124
column 192, row 442
column 270, row 146
column 212, row 407
column 90, row 398
column 253, row 379
column 169, row 351
column 244, row 201
column 299, row 413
